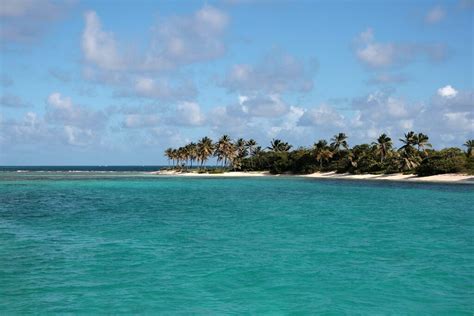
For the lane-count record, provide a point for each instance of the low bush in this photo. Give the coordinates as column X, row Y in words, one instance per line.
column 450, row 160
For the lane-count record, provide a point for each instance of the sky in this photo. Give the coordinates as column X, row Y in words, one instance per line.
column 118, row 82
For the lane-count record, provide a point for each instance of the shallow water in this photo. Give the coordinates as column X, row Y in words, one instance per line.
column 94, row 243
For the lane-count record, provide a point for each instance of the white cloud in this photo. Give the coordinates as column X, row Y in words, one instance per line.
column 188, row 114
column 176, row 41
column 447, row 92
column 141, row 120
column 264, row 106
column 377, row 55
column 187, row 39
column 162, row 89
column 435, row 15
column 276, row 73
column 99, row 47
column 81, row 126
column 322, row 116
column 30, row 129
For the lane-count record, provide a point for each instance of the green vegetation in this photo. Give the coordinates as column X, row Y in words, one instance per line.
column 414, row 156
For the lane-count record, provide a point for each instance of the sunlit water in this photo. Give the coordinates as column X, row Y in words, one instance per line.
column 135, row 243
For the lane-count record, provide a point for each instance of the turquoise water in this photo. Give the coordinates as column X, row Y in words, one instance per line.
column 143, row 244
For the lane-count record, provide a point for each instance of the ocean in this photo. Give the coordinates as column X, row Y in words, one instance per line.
column 124, row 241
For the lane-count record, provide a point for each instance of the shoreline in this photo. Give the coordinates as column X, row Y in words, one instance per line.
column 441, row 178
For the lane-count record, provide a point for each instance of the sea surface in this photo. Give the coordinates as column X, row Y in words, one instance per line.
column 130, row 242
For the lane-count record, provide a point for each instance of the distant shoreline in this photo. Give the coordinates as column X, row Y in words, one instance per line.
column 441, row 178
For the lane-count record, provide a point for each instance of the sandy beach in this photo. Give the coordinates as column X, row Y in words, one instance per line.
column 442, row 178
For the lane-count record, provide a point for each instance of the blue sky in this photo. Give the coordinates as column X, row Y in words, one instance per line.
column 102, row 82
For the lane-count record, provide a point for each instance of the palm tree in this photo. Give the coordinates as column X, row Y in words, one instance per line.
column 421, row 141
column 169, row 155
column 383, row 146
column 277, row 145
column 241, row 147
column 181, row 156
column 175, row 157
column 408, row 161
column 323, row 155
column 470, row 147
column 205, row 148
column 338, row 141
column 250, row 146
column 322, row 152
column 251, row 143
column 409, row 141
column 223, row 149
column 321, row 144
column 191, row 150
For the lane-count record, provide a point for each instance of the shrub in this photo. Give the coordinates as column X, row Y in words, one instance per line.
column 470, row 165
column 279, row 162
column 450, row 160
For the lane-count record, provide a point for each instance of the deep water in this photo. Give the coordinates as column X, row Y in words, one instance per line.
column 135, row 243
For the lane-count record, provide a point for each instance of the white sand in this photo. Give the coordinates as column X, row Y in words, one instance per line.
column 442, row 178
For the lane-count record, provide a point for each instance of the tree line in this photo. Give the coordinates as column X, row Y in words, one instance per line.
column 415, row 155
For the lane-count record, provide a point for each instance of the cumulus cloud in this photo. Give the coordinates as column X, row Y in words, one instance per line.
column 13, row 101
column 187, row 39
column 99, row 47
column 30, row 129
column 447, row 92
column 435, row 15
column 141, row 120
column 447, row 120
column 378, row 55
column 264, row 106
column 23, row 21
column 81, row 125
column 161, row 88
column 276, row 73
column 450, row 116
column 188, row 114
column 322, row 116
column 176, row 41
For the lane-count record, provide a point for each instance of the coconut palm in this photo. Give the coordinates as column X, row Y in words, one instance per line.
column 383, row 146
column 421, row 141
column 323, row 155
column 408, row 161
column 409, row 142
column 241, row 147
column 175, row 157
column 169, row 155
column 321, row 144
column 277, row 145
column 251, row 143
column 250, row 146
column 339, row 141
column 322, row 152
column 470, row 147
column 223, row 149
column 191, row 150
column 181, row 156
column 204, row 148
